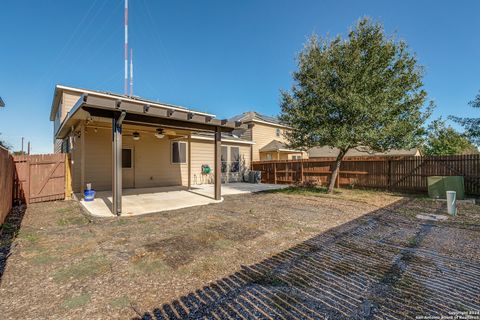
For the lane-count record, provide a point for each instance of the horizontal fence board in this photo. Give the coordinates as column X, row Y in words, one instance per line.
column 393, row 173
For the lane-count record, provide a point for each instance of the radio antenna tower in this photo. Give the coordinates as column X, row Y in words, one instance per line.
column 131, row 72
column 125, row 87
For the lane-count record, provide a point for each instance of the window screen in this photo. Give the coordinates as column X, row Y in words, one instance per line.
column 234, row 159
column 179, row 152
column 278, row 132
column 126, row 158
column 224, row 158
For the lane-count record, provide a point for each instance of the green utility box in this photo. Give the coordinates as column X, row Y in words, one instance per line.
column 439, row 185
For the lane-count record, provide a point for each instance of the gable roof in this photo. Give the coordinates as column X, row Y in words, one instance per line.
column 253, row 116
column 275, row 145
column 327, row 152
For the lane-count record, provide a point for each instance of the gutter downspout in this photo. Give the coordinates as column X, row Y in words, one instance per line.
column 117, row 162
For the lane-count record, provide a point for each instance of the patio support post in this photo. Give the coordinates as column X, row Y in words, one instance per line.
column 217, row 160
column 117, row 162
column 189, row 156
column 82, row 158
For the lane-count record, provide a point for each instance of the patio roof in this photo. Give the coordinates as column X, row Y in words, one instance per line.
column 59, row 89
column 140, row 111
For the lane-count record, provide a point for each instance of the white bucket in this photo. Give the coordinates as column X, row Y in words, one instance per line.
column 452, row 203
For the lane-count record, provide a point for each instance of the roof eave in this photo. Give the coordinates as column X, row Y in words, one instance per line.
column 99, row 106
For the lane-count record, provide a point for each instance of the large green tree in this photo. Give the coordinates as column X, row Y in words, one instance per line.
column 471, row 125
column 365, row 90
column 443, row 140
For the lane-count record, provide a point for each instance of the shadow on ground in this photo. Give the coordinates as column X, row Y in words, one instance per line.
column 383, row 265
column 8, row 233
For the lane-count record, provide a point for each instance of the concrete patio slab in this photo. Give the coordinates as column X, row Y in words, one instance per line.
column 149, row 200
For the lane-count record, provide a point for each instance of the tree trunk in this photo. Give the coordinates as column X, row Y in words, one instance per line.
column 335, row 172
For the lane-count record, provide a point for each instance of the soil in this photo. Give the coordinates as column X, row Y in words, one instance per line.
column 355, row 254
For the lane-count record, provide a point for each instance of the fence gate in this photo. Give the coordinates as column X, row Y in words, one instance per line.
column 40, row 177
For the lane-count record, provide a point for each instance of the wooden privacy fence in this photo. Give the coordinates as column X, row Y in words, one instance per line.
column 7, row 170
column 40, row 177
column 402, row 174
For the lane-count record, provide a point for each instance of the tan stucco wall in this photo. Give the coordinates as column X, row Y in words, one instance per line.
column 152, row 165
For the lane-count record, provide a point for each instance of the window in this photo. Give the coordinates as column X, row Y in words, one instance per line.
column 234, row 159
column 127, row 158
column 224, row 156
column 269, row 156
column 179, row 152
column 65, row 146
column 278, row 132
column 296, row 157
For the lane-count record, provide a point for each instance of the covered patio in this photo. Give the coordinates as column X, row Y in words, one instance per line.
column 149, row 200
column 120, row 113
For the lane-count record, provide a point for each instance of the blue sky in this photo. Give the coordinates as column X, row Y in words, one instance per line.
column 223, row 57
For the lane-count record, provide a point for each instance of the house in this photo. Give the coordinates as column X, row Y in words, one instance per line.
column 117, row 141
column 267, row 135
column 330, row 152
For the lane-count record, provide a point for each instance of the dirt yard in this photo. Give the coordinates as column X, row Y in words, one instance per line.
column 356, row 254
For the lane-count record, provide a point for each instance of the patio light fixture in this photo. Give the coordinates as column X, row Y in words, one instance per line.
column 136, row 136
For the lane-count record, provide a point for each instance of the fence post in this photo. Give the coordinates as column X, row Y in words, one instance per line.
column 68, row 178
column 275, row 173
column 301, row 171
column 389, row 180
column 286, row 171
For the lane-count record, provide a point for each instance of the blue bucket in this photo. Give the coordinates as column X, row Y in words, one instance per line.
column 88, row 195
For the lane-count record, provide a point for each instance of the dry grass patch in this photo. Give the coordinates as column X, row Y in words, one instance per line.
column 133, row 264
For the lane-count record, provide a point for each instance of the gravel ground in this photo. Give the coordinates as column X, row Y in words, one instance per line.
column 280, row 255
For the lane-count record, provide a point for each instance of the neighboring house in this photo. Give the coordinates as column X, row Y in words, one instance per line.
column 267, row 134
column 329, row 152
column 161, row 144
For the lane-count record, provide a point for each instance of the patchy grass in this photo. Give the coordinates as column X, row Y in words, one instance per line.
column 224, row 244
column 87, row 267
column 69, row 221
column 29, row 236
column 304, row 191
column 131, row 265
column 369, row 196
column 43, row 259
column 120, row 302
column 76, row 301
column 150, row 266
